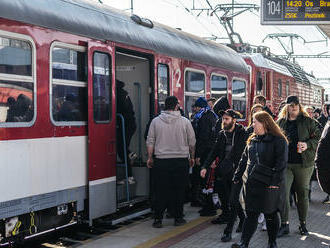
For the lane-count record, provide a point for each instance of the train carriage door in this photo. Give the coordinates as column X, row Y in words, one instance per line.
column 101, row 131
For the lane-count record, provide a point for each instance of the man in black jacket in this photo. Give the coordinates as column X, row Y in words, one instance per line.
column 325, row 115
column 259, row 99
column 228, row 148
column 203, row 124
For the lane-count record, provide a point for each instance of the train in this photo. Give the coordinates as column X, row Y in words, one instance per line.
column 59, row 63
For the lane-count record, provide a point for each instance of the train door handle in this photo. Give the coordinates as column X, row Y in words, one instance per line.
column 111, row 147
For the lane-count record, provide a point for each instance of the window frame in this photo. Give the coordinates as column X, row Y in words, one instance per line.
column 168, row 81
column 219, row 75
column 279, row 87
column 65, row 82
column 237, row 98
column 189, row 93
column 28, row 79
column 110, row 93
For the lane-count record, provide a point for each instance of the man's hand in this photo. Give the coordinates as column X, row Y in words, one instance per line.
column 303, row 146
column 203, row 173
column 191, row 162
column 198, row 161
column 213, row 165
column 150, row 163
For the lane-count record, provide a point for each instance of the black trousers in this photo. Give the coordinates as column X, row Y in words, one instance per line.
column 170, row 180
column 223, row 188
column 235, row 207
column 251, row 223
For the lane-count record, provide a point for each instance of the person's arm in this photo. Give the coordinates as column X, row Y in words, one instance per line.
column 151, row 144
column 315, row 134
column 241, row 166
column 323, row 149
column 281, row 159
column 191, row 143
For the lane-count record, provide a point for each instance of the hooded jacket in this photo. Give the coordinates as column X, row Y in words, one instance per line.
column 171, row 135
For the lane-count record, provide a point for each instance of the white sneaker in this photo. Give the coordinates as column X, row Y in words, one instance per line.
column 131, row 180
column 261, row 218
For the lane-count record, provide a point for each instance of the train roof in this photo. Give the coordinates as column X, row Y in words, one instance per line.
column 101, row 22
column 260, row 61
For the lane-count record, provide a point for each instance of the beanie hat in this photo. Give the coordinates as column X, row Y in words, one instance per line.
column 201, row 102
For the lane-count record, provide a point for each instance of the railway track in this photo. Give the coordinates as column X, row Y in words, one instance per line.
column 80, row 234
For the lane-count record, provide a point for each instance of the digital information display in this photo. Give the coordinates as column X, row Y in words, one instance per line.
column 295, row 12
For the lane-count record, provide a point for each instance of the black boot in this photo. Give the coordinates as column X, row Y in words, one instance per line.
column 284, row 230
column 272, row 245
column 226, row 237
column 241, row 244
column 303, row 230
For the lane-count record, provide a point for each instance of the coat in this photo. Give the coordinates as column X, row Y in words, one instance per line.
column 273, row 152
column 309, row 132
column 203, row 128
column 239, row 141
column 322, row 159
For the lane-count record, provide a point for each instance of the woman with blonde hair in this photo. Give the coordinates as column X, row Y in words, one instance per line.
column 263, row 163
column 303, row 135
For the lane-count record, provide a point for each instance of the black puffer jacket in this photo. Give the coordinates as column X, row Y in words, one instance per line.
column 221, row 104
column 322, row 159
column 273, row 152
column 239, row 140
column 203, row 131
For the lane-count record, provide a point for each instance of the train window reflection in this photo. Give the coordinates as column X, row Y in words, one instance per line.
column 101, row 87
column 195, row 82
column 69, row 64
column 163, row 85
column 239, row 96
column 69, row 85
column 218, row 86
column 16, row 101
column 15, row 57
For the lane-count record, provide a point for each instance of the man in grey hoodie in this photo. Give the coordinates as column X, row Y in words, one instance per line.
column 171, row 150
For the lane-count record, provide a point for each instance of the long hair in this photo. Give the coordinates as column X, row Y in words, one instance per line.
column 285, row 113
column 254, row 107
column 269, row 125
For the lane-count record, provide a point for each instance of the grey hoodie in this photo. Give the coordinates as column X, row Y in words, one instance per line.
column 171, row 135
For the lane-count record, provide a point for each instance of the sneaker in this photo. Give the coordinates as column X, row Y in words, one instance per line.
column 284, row 230
column 157, row 223
column 303, row 230
column 179, row 222
column 222, row 219
column 131, row 180
column 261, row 218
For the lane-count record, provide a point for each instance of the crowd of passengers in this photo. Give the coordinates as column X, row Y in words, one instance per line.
column 211, row 160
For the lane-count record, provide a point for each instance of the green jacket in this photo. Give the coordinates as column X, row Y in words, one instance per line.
column 308, row 132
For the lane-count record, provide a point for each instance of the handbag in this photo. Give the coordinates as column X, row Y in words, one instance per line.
column 262, row 173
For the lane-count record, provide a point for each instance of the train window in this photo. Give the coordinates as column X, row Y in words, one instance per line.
column 195, row 82
column 194, row 88
column 17, row 80
column 279, row 87
column 287, row 88
column 218, row 86
column 259, row 84
column 239, row 96
column 101, row 87
column 69, row 84
column 163, row 85
column 15, row 57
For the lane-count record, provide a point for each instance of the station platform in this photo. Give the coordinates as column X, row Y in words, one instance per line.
column 200, row 232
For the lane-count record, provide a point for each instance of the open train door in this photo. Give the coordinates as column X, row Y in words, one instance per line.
column 101, row 130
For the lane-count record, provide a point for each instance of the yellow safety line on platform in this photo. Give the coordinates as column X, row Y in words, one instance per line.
column 174, row 232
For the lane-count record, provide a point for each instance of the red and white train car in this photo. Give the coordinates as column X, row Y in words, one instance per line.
column 277, row 78
column 59, row 61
